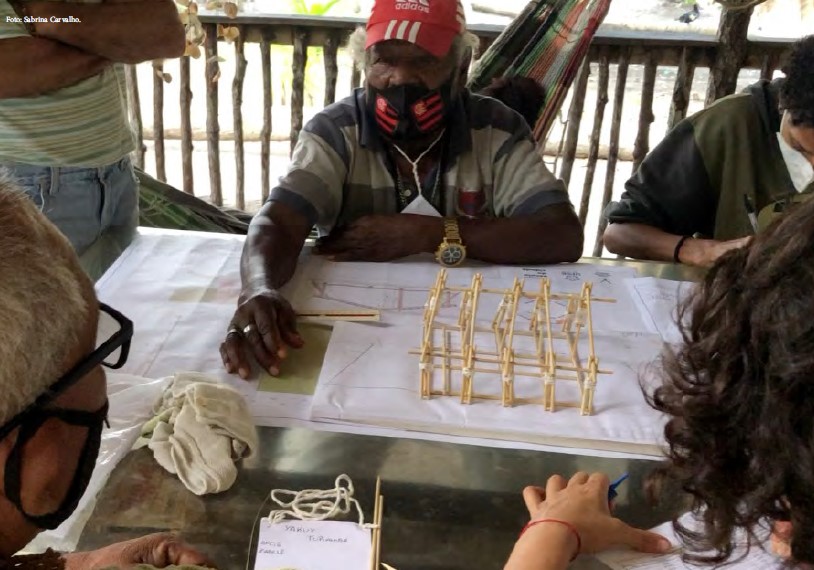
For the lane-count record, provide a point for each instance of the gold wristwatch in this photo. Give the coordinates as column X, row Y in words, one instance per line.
column 452, row 251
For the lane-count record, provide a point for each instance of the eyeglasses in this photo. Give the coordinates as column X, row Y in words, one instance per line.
column 119, row 341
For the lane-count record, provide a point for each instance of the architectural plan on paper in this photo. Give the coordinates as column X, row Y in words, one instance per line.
column 399, row 289
column 758, row 557
column 657, row 301
column 369, row 377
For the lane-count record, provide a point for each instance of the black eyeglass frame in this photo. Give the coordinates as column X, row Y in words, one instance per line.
column 120, row 339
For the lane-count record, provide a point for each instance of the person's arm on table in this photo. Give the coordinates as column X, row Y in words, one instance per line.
column 124, row 32
column 552, row 235
column 276, row 237
column 669, row 197
column 264, row 324
column 571, row 518
column 57, row 66
column 641, row 241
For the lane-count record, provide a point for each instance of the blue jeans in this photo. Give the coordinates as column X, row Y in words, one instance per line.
column 96, row 208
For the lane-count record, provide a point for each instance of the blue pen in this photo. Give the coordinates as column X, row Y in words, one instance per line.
column 613, row 486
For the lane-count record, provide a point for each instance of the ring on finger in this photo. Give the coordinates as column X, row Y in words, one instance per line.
column 233, row 330
column 249, row 328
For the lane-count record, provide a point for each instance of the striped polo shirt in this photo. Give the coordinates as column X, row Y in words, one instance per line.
column 85, row 124
column 340, row 170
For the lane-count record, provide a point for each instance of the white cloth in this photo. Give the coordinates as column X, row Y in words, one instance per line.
column 800, row 169
column 200, row 430
column 420, row 206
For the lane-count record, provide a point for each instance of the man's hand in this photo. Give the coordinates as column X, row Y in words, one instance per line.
column 264, row 326
column 705, row 252
column 382, row 238
column 159, row 550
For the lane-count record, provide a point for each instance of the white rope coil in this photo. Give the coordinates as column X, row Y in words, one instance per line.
column 317, row 504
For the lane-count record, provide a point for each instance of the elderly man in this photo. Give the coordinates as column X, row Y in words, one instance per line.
column 412, row 163
column 722, row 174
column 64, row 131
column 53, row 401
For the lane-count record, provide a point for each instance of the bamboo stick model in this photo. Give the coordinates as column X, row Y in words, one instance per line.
column 505, row 362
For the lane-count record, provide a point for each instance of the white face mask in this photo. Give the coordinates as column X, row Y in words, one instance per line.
column 800, row 169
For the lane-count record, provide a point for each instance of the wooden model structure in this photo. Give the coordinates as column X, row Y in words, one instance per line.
column 465, row 358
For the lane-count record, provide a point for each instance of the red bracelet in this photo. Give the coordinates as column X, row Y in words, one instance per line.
column 570, row 527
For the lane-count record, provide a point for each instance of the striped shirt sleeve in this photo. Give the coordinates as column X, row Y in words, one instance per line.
column 9, row 29
column 523, row 185
column 316, row 174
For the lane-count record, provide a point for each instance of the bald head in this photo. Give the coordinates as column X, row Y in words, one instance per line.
column 46, row 302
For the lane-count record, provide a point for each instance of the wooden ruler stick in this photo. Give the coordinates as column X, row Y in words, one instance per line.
column 338, row 315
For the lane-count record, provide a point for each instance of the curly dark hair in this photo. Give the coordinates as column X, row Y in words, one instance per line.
column 740, row 393
column 797, row 93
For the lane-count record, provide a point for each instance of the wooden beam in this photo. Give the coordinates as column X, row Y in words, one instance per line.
column 237, row 115
column 599, row 117
column 613, row 149
column 186, row 127
column 158, row 120
column 574, row 122
column 731, row 53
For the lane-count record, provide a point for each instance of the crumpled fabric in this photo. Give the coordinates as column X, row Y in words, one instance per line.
column 200, row 430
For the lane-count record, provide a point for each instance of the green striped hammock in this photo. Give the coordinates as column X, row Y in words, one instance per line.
column 547, row 42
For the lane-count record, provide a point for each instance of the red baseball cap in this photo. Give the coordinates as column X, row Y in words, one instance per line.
column 429, row 24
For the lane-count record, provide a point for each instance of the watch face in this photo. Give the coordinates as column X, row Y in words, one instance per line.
column 451, row 255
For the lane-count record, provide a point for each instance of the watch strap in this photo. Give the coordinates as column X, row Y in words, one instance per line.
column 452, row 232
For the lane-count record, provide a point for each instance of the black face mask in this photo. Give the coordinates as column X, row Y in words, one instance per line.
column 87, row 461
column 411, row 111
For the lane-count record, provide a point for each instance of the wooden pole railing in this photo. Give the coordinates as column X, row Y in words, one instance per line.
column 622, row 51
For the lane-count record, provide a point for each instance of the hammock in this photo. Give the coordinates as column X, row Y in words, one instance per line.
column 546, row 42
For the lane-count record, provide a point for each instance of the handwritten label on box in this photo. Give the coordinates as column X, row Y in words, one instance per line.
column 300, row 545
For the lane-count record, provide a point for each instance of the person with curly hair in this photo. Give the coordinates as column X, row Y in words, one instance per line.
column 723, row 174
column 740, row 429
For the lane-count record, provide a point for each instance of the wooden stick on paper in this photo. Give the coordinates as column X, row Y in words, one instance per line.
column 339, row 315
column 376, row 538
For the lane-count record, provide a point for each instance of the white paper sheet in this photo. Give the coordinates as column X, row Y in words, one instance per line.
column 759, row 556
column 657, row 301
column 400, row 289
column 370, row 377
column 323, row 545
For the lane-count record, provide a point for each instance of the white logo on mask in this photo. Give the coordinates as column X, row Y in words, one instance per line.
column 414, row 5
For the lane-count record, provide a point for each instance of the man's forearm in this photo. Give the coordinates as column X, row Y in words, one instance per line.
column 56, row 65
column 551, row 236
column 640, row 241
column 276, row 237
column 129, row 32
